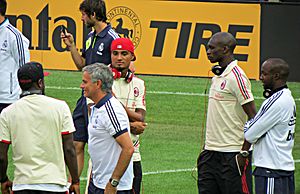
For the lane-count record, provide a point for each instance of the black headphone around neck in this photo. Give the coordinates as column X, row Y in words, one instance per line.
column 267, row 93
column 218, row 69
column 129, row 75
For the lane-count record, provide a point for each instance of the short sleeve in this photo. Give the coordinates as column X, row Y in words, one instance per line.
column 117, row 122
column 5, row 135
column 67, row 121
column 241, row 86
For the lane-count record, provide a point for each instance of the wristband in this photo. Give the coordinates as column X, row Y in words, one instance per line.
column 75, row 182
column 3, row 180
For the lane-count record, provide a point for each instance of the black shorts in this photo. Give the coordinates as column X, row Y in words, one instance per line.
column 218, row 173
column 92, row 189
column 80, row 118
column 38, row 192
column 268, row 181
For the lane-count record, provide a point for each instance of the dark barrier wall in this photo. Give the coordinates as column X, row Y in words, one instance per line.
column 280, row 35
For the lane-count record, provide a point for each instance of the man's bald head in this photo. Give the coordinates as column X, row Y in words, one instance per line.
column 279, row 66
column 225, row 39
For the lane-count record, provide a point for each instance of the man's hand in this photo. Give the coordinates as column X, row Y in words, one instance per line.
column 137, row 127
column 241, row 162
column 109, row 189
column 68, row 39
column 6, row 187
column 74, row 188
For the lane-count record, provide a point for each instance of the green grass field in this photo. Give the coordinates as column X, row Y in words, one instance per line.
column 171, row 143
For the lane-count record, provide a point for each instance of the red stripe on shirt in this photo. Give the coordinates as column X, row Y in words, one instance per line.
column 65, row 133
column 241, row 83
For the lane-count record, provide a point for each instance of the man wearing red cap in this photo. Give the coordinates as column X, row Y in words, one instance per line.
column 130, row 91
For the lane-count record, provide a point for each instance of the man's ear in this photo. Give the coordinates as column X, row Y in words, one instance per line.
column 276, row 76
column 225, row 49
column 99, row 84
column 94, row 15
column 41, row 83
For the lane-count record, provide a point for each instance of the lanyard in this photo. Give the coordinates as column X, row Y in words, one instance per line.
column 93, row 45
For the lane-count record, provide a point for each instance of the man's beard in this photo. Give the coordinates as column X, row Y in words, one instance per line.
column 90, row 25
column 120, row 69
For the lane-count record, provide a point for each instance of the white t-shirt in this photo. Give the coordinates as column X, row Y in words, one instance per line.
column 225, row 114
column 108, row 120
column 34, row 126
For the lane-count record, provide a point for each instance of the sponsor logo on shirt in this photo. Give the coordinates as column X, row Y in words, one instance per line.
column 293, row 118
column 136, row 92
column 223, row 84
column 219, row 95
column 291, row 136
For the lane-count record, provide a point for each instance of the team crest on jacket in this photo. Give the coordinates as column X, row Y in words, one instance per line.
column 136, row 92
column 223, row 84
column 126, row 23
column 100, row 49
column 4, row 46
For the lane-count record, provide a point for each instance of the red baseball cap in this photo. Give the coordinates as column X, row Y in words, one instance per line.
column 123, row 44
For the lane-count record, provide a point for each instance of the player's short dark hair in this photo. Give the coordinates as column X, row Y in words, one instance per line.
column 94, row 6
column 3, row 6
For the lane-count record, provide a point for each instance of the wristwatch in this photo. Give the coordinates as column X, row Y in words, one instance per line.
column 114, row 182
column 244, row 153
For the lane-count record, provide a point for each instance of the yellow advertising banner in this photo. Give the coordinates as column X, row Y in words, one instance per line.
column 169, row 36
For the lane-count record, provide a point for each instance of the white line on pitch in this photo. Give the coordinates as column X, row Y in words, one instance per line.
column 153, row 92
column 168, row 171
column 171, row 171
column 157, row 172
